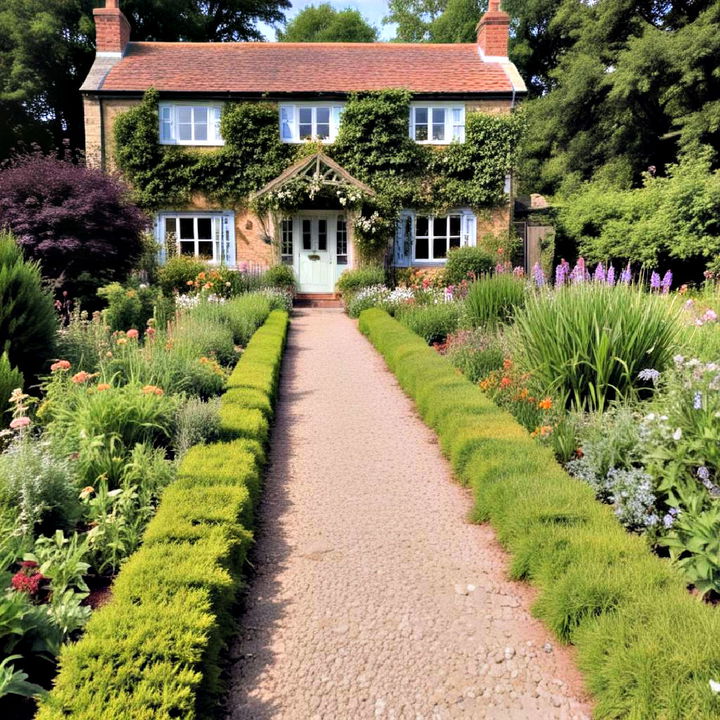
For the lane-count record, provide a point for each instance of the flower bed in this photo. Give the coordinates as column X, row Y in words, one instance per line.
column 152, row 651
column 642, row 640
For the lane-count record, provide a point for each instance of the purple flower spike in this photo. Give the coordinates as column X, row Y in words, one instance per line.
column 599, row 275
column 666, row 283
column 611, row 276
column 655, row 281
column 561, row 273
column 538, row 275
column 626, row 276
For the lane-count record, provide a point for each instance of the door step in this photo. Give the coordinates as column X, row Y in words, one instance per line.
column 318, row 300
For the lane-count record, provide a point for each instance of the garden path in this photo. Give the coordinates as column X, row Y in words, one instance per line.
column 373, row 596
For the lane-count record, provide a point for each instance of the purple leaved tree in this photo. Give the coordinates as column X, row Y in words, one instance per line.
column 78, row 223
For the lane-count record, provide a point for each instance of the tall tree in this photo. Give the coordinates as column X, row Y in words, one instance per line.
column 323, row 23
column 47, row 48
column 413, row 18
column 458, row 22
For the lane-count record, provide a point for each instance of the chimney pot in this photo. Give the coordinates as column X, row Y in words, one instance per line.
column 493, row 31
column 112, row 29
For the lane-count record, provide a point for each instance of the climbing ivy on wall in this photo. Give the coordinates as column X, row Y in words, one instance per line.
column 372, row 144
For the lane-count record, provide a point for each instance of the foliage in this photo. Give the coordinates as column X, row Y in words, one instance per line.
column 414, row 18
column 599, row 588
column 27, row 317
column 673, row 217
column 358, row 278
column 467, row 263
column 494, row 299
column 197, row 422
column 323, row 23
column 76, row 221
column 178, row 274
column 588, row 342
column 128, row 307
column 181, row 584
column 431, row 322
column 475, row 353
column 10, row 379
column 279, row 276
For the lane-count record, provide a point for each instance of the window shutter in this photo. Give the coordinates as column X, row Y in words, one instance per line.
column 458, row 124
column 214, row 130
column 469, row 230
column 336, row 119
column 287, row 123
column 403, row 240
column 160, row 239
column 227, row 233
column 166, row 124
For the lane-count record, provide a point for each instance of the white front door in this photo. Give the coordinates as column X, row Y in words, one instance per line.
column 315, row 238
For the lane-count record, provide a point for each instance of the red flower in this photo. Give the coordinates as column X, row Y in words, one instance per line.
column 27, row 582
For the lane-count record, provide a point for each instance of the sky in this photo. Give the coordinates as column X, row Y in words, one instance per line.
column 371, row 10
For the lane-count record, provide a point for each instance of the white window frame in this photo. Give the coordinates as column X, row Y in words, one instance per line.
column 289, row 120
column 454, row 122
column 223, row 235
column 169, row 134
column 468, row 236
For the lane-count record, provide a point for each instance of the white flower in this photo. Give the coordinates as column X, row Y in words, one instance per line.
column 715, row 686
column 677, row 434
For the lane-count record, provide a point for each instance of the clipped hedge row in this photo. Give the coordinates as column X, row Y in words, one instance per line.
column 152, row 651
column 645, row 645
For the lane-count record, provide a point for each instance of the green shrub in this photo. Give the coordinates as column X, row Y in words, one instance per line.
column 587, row 343
column 467, row 263
column 128, row 307
column 176, row 274
column 28, row 324
column 353, row 280
column 642, row 640
column 154, row 650
column 279, row 276
column 243, row 315
column 494, row 299
column 10, row 379
column 431, row 322
column 475, row 353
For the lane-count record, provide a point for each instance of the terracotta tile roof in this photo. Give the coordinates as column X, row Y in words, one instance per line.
column 305, row 67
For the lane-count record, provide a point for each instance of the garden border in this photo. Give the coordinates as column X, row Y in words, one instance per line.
column 642, row 639
column 153, row 650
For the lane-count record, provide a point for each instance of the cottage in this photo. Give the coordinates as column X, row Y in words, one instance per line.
column 257, row 153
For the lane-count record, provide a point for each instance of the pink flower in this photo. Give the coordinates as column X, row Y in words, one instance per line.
column 18, row 423
column 133, row 334
column 60, row 365
column 81, row 377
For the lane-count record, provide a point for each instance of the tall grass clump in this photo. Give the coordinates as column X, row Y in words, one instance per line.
column 588, row 343
column 495, row 299
column 243, row 315
column 431, row 322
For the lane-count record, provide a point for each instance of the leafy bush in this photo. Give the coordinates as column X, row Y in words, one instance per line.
column 431, row 322
column 242, row 315
column 587, row 343
column 351, row 281
column 197, row 422
column 494, row 299
column 10, row 379
column 76, row 221
column 279, row 276
column 475, row 353
column 466, row 263
column 128, row 307
column 599, row 587
column 28, row 323
column 180, row 586
column 179, row 274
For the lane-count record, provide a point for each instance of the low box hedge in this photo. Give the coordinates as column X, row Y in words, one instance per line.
column 646, row 646
column 152, row 652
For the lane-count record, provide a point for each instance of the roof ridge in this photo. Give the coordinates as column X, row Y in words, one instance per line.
column 248, row 43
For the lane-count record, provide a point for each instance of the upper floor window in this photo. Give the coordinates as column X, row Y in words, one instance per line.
column 309, row 122
column 437, row 124
column 196, row 124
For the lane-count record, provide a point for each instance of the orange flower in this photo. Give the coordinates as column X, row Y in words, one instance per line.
column 505, row 382
column 87, row 492
column 122, row 341
column 545, row 404
column 103, row 386
column 153, row 390
column 190, row 282
column 81, row 377
column 133, row 334
column 60, row 365
column 522, row 395
column 507, row 364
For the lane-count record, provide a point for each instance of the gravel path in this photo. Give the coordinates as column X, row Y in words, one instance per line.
column 374, row 598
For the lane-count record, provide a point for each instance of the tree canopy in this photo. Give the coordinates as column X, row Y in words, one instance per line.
column 323, row 23
column 47, row 48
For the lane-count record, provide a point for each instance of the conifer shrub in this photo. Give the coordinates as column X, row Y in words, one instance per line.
column 10, row 379
column 28, row 322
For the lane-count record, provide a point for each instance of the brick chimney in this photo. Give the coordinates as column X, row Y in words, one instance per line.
column 112, row 29
column 493, row 32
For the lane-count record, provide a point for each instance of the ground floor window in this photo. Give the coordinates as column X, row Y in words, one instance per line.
column 206, row 236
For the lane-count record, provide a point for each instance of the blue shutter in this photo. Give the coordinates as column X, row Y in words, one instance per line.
column 228, row 239
column 160, row 238
column 469, row 229
column 403, row 240
column 288, row 131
